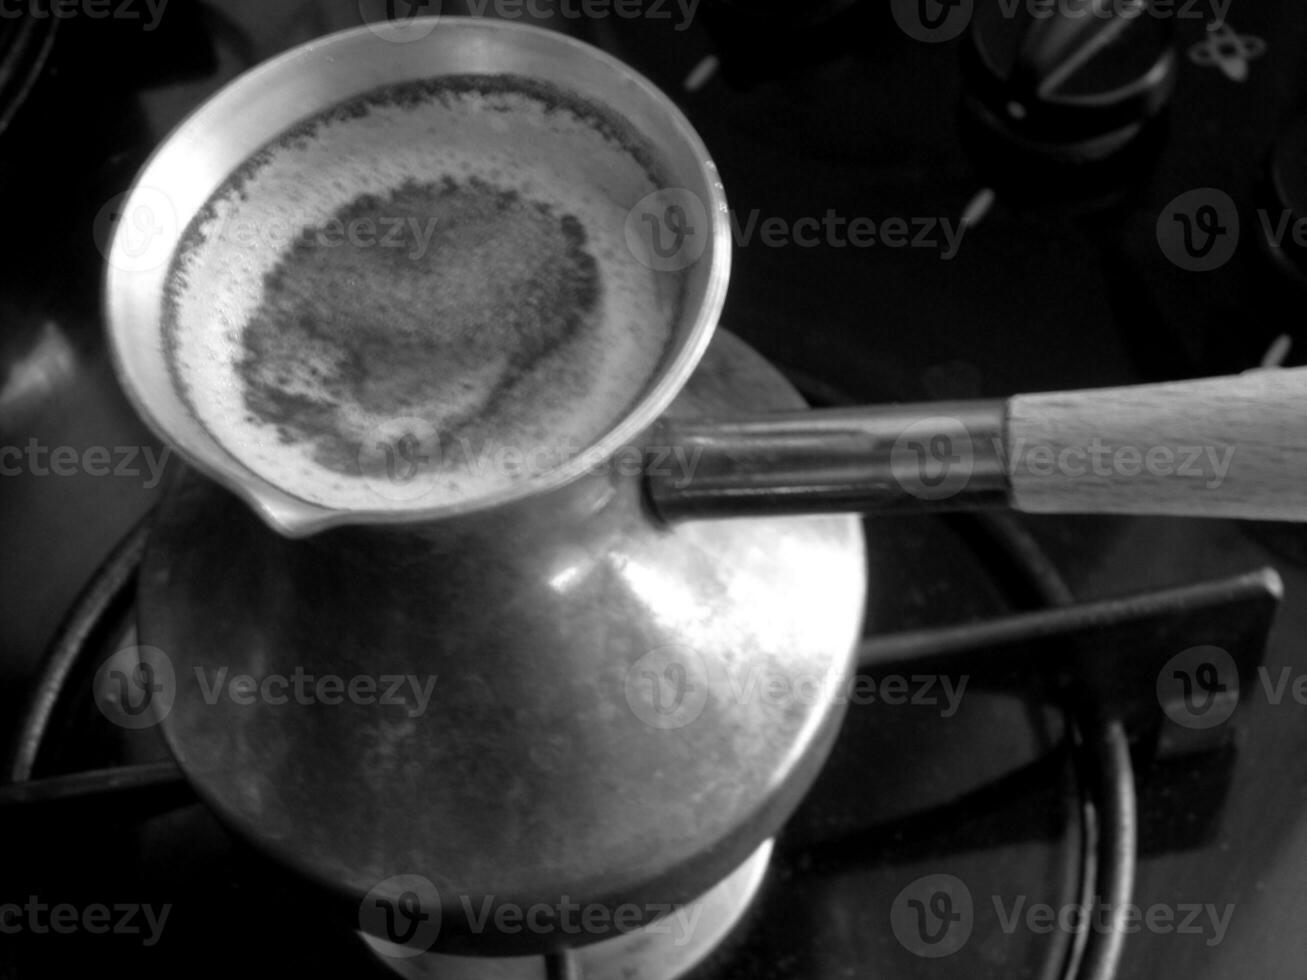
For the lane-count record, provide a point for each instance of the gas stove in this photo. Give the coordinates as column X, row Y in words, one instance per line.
column 1069, row 749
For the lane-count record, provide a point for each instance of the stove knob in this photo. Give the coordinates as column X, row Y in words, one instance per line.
column 1284, row 226
column 1070, row 83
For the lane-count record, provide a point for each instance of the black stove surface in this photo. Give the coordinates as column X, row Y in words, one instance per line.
column 836, row 113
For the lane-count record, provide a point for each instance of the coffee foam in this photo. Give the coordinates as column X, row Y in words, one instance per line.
column 486, row 325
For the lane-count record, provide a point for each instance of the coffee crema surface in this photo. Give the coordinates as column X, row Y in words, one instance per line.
column 422, row 295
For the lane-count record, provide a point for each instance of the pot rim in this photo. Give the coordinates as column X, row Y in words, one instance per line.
column 293, row 516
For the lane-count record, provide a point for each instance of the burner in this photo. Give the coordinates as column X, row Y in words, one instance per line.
column 783, row 904
column 817, row 903
column 24, row 47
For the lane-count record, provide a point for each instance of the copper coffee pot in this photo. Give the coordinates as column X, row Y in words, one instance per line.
column 630, row 693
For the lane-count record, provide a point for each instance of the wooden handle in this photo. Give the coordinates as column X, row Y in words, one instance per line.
column 1221, row 447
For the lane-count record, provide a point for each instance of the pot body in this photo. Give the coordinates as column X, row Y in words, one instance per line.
column 586, row 706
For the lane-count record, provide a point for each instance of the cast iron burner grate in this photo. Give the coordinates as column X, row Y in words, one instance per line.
column 89, row 808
